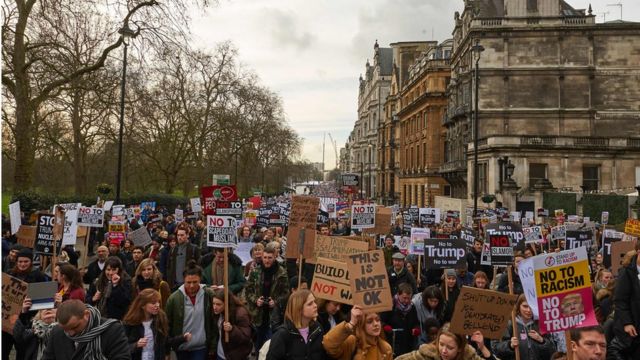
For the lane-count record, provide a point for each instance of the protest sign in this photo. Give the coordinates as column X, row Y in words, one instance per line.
column 26, row 236
column 618, row 251
column 418, row 236
column 515, row 216
column 331, row 281
column 501, row 250
column 559, row 232
column 632, row 227
column 250, row 217
column 117, row 226
column 323, row 217
column 403, row 243
column 512, row 230
column 303, row 215
column 179, row 214
column 221, row 231
column 482, row 310
column 445, row 253
column 543, row 212
column 14, row 215
column 604, row 218
column 116, row 237
column 140, row 236
column 44, row 234
column 228, row 208
column 579, row 238
column 468, row 235
column 117, row 210
column 429, row 216
column 485, row 257
column 70, row 223
column 528, row 280
column 563, row 289
column 383, row 221
column 608, row 238
column 42, row 295
column 533, row 234
column 363, row 216
column 107, row 205
column 336, row 248
column 369, row 281
column 13, row 293
column 91, row 216
column 195, row 205
column 406, row 221
column 350, row 180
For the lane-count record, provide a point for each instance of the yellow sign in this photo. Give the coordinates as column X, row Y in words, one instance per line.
column 632, row 227
column 561, row 279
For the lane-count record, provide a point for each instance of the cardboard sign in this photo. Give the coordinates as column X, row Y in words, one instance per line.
column 221, row 232
column 533, row 234
column 336, row 248
column 195, row 205
column 140, row 237
column 304, row 212
column 501, row 250
column 26, row 236
column 44, row 235
column 445, row 253
column 429, row 216
column 418, row 237
column 91, row 216
column 363, row 216
column 484, row 310
column 369, row 281
column 331, row 281
column 13, row 293
column 14, row 215
column 382, row 222
column 563, row 288
column 618, row 251
column 632, row 227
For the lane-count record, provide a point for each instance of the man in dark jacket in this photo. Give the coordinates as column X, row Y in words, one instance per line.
column 214, row 271
column 473, row 260
column 179, row 257
column 95, row 268
column 503, row 284
column 79, row 332
column 401, row 324
column 626, row 318
column 399, row 274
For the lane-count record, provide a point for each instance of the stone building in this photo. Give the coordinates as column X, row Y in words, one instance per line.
column 559, row 99
column 387, row 181
column 422, row 104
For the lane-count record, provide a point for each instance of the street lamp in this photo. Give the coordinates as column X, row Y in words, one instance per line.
column 477, row 50
column 126, row 32
column 369, row 182
column 362, row 179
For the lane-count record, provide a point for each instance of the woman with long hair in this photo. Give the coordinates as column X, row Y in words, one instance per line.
column 300, row 337
column 412, row 267
column 244, row 235
column 238, row 327
column 450, row 346
column 70, row 284
column 329, row 314
column 360, row 338
column 147, row 276
column 451, row 290
column 429, row 304
column 480, row 280
column 146, row 327
column 531, row 343
column 111, row 292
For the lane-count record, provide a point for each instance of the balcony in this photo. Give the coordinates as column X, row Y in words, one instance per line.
column 558, row 142
column 451, row 166
column 453, row 113
column 528, row 21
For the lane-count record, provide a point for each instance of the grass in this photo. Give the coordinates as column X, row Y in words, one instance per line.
column 6, row 199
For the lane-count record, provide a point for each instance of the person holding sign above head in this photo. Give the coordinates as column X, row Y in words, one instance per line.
column 238, row 328
column 361, row 338
column 399, row 274
column 300, row 337
column 531, row 344
column 450, row 346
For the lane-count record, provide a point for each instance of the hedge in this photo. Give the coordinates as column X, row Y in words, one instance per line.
column 555, row 200
column 617, row 205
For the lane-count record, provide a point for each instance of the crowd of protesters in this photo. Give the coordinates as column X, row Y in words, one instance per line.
column 133, row 302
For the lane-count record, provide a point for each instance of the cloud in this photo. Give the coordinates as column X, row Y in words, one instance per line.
column 286, row 31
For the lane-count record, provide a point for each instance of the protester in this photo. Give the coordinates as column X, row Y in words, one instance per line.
column 398, row 274
column 96, row 267
column 137, row 254
column 329, row 314
column 503, row 284
column 450, row 346
column 69, row 284
column 626, row 318
column 148, row 276
column 32, row 335
column 189, row 311
column 244, row 235
column 480, row 280
column 474, row 259
column 412, row 268
column 238, row 328
column 9, row 261
column 464, row 277
column 256, row 258
column 401, row 323
column 588, row 343
column 451, row 292
column 359, row 338
column 214, row 271
column 389, row 249
column 164, row 255
column 111, row 293
column 179, row 256
column 429, row 304
column 146, row 326
column 82, row 334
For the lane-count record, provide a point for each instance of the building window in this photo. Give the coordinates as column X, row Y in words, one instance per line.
column 532, row 5
column 447, row 190
column 590, row 177
column 537, row 172
column 482, row 178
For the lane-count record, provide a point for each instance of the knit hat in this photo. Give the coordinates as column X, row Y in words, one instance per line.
column 450, row 272
column 26, row 252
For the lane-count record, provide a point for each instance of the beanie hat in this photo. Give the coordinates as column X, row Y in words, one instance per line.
column 26, row 252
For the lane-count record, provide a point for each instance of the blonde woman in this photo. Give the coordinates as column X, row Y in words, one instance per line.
column 147, row 276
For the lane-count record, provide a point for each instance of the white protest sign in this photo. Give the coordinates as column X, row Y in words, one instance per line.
column 70, row 223
column 107, row 205
column 14, row 214
column 363, row 216
column 418, row 237
column 221, row 231
column 195, row 204
column 528, row 280
column 91, row 216
column 533, row 234
column 140, row 236
column 117, row 210
column 179, row 213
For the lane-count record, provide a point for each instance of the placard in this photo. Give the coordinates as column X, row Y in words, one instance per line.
column 604, row 218
column 608, row 238
column 117, row 226
column 107, row 205
column 70, row 233
column 14, row 215
column 331, row 281
column 383, row 221
column 482, row 310
column 303, row 215
column 336, row 248
column 563, row 288
column 140, row 236
column 195, row 205
column 418, row 237
column 44, row 234
column 117, row 210
column 618, row 251
column 363, row 216
column 91, row 217
column 26, row 236
column 512, row 230
column 445, row 253
column 559, row 232
column 632, row 227
column 501, row 250
column 485, row 257
column 13, row 293
column 369, row 281
column 221, row 232
column 350, row 180
column 468, row 235
column 429, row 216
column 579, row 238
column 533, row 234
column 179, row 214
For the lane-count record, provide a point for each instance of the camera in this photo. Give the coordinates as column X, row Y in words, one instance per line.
column 265, row 300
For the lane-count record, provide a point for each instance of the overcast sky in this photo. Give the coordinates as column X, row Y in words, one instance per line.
column 312, row 52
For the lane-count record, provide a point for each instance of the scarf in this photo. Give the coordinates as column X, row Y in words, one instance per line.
column 91, row 335
column 143, row 283
column 404, row 309
column 42, row 330
column 102, row 303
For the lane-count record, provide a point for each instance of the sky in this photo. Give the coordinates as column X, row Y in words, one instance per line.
column 311, row 53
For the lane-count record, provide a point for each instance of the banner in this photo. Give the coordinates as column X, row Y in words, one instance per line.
column 482, row 310
column 14, row 215
column 140, row 237
column 70, row 223
column 14, row 291
column 501, row 250
column 533, row 235
column 44, row 235
column 331, row 281
column 445, row 253
column 336, row 248
column 563, row 288
column 369, row 281
column 91, row 217
column 429, row 216
column 579, row 238
column 418, row 237
column 632, row 227
column 221, row 232
column 363, row 216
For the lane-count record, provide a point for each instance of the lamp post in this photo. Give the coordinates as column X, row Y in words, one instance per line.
column 369, row 182
column 126, row 33
column 362, row 179
column 477, row 50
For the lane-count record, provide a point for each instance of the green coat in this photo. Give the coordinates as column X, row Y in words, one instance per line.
column 279, row 290
column 175, row 314
column 236, row 277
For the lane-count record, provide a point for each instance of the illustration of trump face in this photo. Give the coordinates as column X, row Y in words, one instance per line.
column 572, row 305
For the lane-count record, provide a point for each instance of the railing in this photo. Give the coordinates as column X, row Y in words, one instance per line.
column 537, row 140
column 590, row 141
column 453, row 166
column 538, row 20
column 635, row 143
column 574, row 21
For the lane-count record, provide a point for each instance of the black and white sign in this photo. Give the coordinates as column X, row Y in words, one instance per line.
column 44, row 234
column 91, row 217
column 363, row 216
column 221, row 232
column 350, row 180
column 444, row 253
column 559, row 232
column 501, row 249
column 533, row 234
column 608, row 238
column 429, row 216
column 468, row 236
column 195, row 204
column 579, row 238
